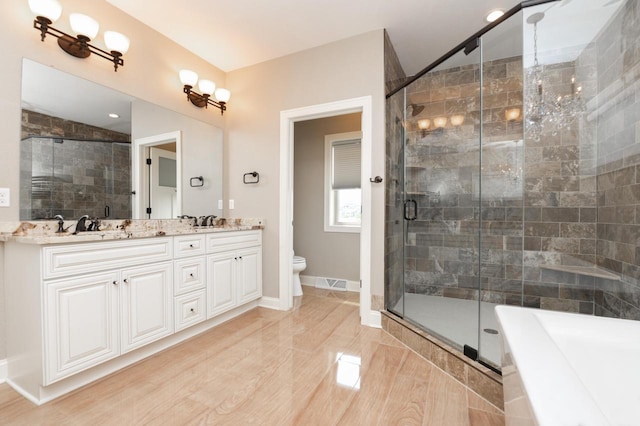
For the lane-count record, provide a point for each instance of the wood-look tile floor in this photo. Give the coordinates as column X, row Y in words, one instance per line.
column 314, row 365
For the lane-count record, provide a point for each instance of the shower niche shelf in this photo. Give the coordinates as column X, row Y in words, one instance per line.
column 591, row 271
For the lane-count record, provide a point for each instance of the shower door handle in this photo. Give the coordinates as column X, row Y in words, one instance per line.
column 408, row 214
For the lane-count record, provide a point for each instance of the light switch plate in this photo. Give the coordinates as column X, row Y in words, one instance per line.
column 232, row 205
column 5, row 197
column 220, row 205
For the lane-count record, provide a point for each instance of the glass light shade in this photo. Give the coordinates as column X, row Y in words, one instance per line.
column 223, row 95
column 424, row 124
column 457, row 120
column 512, row 114
column 440, row 122
column 84, row 25
column 188, row 77
column 50, row 9
column 116, row 42
column 207, row 87
column 494, row 15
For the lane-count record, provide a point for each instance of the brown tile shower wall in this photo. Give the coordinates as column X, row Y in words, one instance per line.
column 617, row 113
column 442, row 171
column 560, row 200
column 37, row 124
column 394, row 75
column 538, row 196
column 73, row 177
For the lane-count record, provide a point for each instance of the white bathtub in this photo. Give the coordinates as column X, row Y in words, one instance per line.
column 569, row 369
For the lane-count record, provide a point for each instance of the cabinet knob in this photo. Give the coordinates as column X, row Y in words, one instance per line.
column 193, row 310
column 191, row 245
column 126, row 281
column 115, row 283
column 240, row 257
column 235, row 258
column 191, row 275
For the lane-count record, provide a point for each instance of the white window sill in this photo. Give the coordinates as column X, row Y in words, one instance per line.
column 342, row 228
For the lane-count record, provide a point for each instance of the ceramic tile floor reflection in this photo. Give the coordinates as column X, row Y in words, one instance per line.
column 314, row 365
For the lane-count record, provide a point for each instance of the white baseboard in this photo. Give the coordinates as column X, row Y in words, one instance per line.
column 310, row 280
column 269, row 303
column 375, row 319
column 3, row 370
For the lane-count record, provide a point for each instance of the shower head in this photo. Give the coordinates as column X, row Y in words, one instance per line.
column 416, row 109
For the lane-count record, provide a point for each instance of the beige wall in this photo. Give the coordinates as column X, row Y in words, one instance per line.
column 328, row 254
column 342, row 70
column 150, row 72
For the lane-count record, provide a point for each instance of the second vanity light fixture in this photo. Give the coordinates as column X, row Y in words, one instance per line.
column 208, row 88
column 439, row 124
column 85, row 28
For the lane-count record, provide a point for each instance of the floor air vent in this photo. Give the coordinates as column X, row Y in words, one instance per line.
column 331, row 284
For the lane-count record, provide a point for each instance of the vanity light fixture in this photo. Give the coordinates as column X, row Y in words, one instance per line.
column 439, row 124
column 208, row 88
column 85, row 28
column 512, row 114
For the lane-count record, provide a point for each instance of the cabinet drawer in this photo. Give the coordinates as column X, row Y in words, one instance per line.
column 224, row 241
column 189, row 275
column 188, row 245
column 190, row 309
column 75, row 259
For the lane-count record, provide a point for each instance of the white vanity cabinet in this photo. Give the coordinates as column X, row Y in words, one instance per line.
column 79, row 311
column 91, row 318
column 234, row 270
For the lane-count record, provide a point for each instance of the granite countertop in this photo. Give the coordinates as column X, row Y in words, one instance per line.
column 44, row 232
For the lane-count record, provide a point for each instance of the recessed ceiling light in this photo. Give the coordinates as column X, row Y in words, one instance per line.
column 113, row 115
column 494, row 14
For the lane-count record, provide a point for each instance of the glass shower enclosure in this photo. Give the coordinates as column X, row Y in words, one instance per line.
column 74, row 177
column 512, row 168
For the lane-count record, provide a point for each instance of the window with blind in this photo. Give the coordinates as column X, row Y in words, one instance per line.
column 342, row 205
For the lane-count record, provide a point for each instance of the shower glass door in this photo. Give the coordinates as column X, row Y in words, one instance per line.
column 442, row 199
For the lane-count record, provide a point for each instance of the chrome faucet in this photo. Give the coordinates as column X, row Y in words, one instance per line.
column 81, row 226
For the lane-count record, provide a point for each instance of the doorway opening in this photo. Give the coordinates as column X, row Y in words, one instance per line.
column 327, row 203
column 288, row 119
column 156, row 168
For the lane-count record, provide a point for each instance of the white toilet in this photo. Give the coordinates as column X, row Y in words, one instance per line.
column 299, row 265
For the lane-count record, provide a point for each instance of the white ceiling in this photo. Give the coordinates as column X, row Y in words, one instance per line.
column 239, row 33
column 50, row 91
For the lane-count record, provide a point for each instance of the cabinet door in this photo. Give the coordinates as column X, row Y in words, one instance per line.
column 81, row 324
column 147, row 305
column 221, row 291
column 249, row 274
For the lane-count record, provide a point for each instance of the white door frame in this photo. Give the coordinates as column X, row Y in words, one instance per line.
column 287, row 120
column 138, row 172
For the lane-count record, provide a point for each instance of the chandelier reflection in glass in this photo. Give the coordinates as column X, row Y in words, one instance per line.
column 545, row 111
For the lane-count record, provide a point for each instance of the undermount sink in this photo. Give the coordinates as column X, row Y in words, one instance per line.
column 569, row 369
